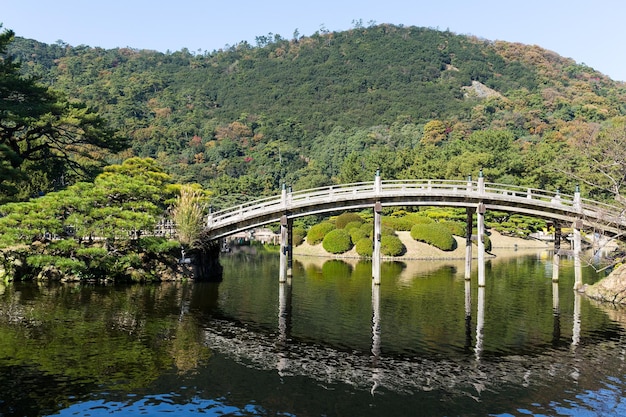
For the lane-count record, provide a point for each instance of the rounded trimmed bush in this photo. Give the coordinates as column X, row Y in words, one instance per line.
column 364, row 247
column 343, row 219
column 353, row 225
column 298, row 234
column 368, row 229
column 456, row 228
column 434, row 234
column 387, row 231
column 316, row 233
column 419, row 219
column 337, row 241
column 398, row 223
column 486, row 241
column 391, row 246
column 358, row 234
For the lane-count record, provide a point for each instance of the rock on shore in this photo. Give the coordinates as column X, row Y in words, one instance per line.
column 610, row 289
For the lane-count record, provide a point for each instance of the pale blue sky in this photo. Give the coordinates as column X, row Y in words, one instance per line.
column 592, row 32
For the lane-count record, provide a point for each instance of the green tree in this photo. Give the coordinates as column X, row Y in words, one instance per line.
column 44, row 132
column 89, row 230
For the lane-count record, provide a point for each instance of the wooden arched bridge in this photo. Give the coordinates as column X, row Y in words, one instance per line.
column 476, row 196
column 533, row 202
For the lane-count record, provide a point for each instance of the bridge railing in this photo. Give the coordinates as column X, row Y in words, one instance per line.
column 474, row 187
column 332, row 192
column 242, row 209
column 423, row 186
column 409, row 187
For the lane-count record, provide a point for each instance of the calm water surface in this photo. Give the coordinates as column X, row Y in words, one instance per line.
column 328, row 343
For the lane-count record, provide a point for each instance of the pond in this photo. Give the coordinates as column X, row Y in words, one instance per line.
column 326, row 343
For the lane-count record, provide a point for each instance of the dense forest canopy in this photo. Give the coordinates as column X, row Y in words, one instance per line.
column 335, row 106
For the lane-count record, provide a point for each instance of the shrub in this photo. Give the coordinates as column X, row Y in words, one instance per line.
column 157, row 245
column 438, row 213
column 358, row 234
column 398, row 223
column 69, row 265
column 434, row 234
column 353, row 225
column 419, row 219
column 486, row 241
column 343, row 219
column 337, row 241
column 368, row 229
column 387, row 231
column 391, row 246
column 364, row 247
column 298, row 234
column 316, row 233
column 63, row 245
column 456, row 228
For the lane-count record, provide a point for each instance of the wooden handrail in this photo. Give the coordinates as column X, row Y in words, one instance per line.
column 453, row 190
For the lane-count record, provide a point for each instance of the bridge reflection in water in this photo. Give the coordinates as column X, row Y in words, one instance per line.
column 375, row 372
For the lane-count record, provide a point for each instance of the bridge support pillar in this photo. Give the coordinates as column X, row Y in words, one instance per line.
column 377, row 238
column 286, row 253
column 556, row 263
column 578, row 276
column 468, row 243
column 481, row 243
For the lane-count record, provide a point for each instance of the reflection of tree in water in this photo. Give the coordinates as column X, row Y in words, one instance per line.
column 108, row 336
column 187, row 346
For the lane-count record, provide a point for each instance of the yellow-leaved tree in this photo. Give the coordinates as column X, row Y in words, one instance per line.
column 188, row 215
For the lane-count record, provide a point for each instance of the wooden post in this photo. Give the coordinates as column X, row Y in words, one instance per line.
column 283, row 195
column 481, row 244
column 289, row 246
column 378, row 185
column 557, row 255
column 578, row 281
column 577, row 200
column 284, row 248
column 377, row 238
column 468, row 243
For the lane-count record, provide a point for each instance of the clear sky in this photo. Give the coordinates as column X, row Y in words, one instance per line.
column 592, row 32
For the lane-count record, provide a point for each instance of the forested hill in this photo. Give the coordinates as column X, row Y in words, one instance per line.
column 334, row 106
